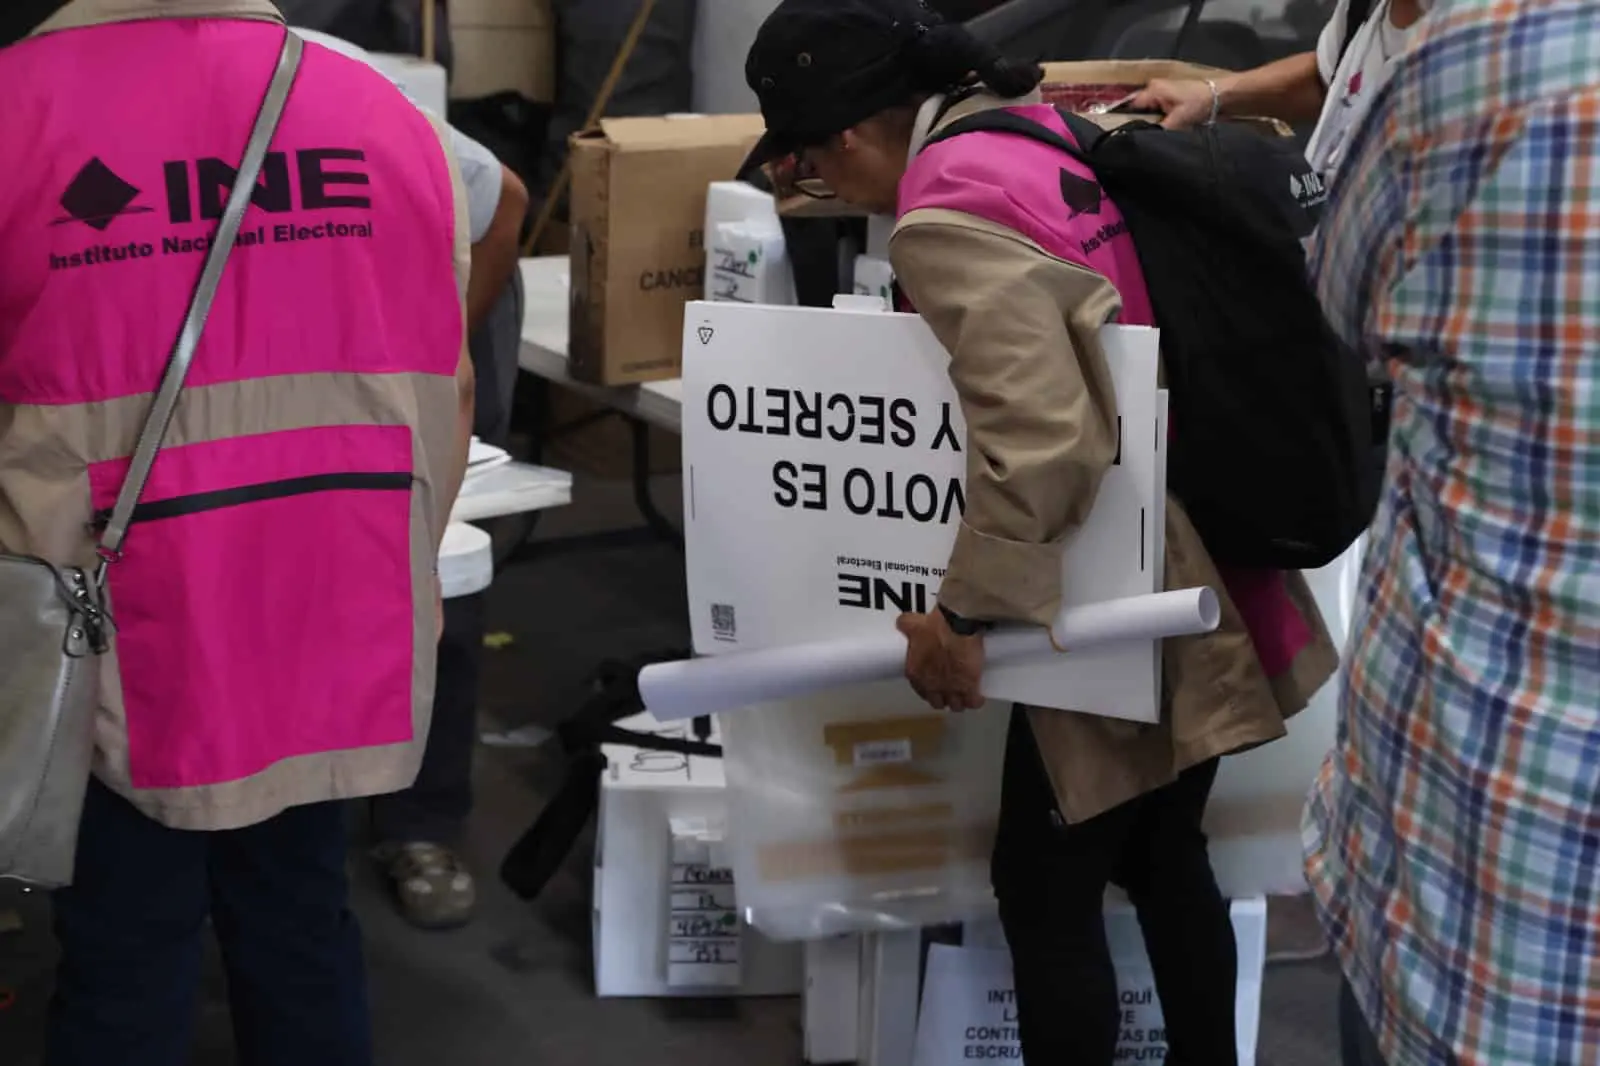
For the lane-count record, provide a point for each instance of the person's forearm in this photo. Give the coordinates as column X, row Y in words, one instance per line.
column 466, row 393
column 494, row 258
column 1290, row 89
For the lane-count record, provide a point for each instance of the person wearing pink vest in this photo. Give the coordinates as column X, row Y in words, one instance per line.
column 1013, row 255
column 276, row 601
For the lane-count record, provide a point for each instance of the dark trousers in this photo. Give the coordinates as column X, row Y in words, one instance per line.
column 1358, row 1045
column 132, row 927
column 1050, row 880
column 435, row 806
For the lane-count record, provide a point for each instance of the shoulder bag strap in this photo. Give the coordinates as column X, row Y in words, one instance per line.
column 165, row 404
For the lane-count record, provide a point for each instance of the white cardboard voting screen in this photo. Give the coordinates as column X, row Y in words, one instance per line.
column 825, row 459
column 969, row 1008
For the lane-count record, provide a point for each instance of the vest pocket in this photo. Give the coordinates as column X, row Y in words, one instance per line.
column 217, row 499
column 265, row 602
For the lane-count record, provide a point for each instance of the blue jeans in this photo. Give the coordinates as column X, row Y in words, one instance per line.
column 1358, row 1046
column 132, row 932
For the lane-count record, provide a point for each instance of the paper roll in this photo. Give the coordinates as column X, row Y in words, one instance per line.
column 722, row 683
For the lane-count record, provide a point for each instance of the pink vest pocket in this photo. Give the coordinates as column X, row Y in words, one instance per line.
column 264, row 605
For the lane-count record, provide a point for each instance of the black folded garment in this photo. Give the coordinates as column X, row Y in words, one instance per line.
column 536, row 856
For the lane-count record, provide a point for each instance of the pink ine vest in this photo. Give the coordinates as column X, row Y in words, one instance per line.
column 1050, row 198
column 274, row 602
column 1055, row 201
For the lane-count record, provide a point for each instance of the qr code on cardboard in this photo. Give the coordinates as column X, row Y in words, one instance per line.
column 723, row 625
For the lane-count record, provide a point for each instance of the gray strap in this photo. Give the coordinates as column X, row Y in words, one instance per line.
column 194, row 323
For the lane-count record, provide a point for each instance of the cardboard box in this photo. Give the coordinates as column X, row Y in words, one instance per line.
column 1105, row 81
column 1080, row 86
column 503, row 45
column 638, row 247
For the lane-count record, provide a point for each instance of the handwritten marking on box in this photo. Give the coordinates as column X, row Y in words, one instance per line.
column 703, row 928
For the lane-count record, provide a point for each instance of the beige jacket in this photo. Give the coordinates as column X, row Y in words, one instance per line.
column 1022, row 329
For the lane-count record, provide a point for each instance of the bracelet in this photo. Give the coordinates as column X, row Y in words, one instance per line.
column 1216, row 102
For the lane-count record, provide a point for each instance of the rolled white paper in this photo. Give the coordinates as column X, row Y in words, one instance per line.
column 722, row 683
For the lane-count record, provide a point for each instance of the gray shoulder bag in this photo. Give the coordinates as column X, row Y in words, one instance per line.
column 54, row 621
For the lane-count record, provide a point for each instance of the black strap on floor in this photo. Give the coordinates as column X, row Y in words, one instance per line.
column 536, row 856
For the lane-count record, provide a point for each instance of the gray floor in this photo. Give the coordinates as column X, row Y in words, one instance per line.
column 514, row 987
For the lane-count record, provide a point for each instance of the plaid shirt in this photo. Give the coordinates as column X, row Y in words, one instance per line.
column 1453, row 837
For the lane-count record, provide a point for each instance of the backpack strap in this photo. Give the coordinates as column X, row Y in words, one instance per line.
column 999, row 120
column 1355, row 16
column 1085, row 131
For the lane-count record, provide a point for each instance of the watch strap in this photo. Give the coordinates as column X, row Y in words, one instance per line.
column 961, row 625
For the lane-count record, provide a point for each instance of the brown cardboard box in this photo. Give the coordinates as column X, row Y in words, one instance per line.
column 1080, row 86
column 638, row 208
column 503, row 45
column 1105, row 81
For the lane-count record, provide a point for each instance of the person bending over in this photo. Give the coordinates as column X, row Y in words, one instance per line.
column 989, row 254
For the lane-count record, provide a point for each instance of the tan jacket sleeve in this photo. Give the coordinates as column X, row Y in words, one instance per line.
column 1022, row 329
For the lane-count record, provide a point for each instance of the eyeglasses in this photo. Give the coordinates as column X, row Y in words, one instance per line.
column 803, row 178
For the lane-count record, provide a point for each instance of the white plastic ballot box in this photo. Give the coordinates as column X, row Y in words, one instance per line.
column 650, row 801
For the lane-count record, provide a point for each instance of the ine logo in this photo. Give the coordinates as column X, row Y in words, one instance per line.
column 97, row 196
column 1308, row 188
column 291, row 196
column 1081, row 195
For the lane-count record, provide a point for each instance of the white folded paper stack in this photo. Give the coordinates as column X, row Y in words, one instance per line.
column 496, row 485
column 481, row 457
column 466, row 561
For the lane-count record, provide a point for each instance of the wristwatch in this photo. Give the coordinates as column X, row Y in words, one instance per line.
column 962, row 626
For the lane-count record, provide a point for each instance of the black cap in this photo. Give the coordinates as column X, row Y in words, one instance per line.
column 819, row 67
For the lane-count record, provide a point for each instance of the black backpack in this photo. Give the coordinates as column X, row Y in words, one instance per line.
column 1271, row 415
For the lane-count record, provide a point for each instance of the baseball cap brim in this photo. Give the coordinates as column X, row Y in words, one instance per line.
column 771, row 147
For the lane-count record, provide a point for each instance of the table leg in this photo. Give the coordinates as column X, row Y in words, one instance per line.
column 642, row 499
column 522, row 548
